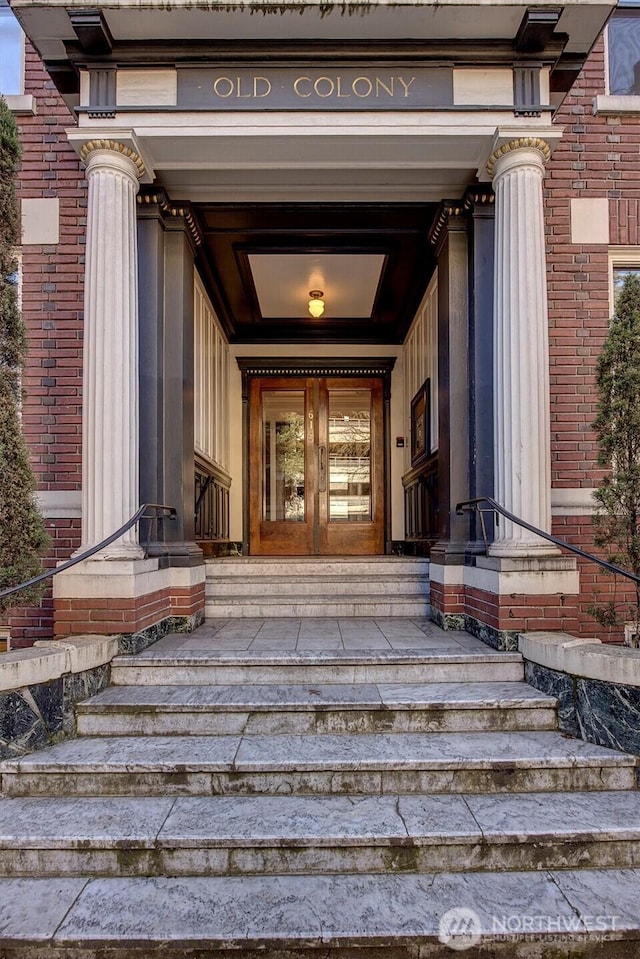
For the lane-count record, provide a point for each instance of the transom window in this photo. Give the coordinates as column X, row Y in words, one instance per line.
column 623, row 49
column 11, row 53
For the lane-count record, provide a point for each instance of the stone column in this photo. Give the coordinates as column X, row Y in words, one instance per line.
column 520, row 347
column 110, row 423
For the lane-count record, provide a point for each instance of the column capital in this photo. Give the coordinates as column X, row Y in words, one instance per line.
column 528, row 144
column 115, row 147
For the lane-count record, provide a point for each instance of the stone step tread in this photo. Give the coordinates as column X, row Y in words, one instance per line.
column 329, row 599
column 312, row 697
column 331, row 578
column 339, row 591
column 411, row 656
column 340, row 752
column 254, row 565
column 314, row 911
column 321, row 821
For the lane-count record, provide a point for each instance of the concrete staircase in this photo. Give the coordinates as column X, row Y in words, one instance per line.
column 285, row 802
column 248, row 586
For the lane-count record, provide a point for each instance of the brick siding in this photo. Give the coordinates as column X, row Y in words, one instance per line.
column 52, row 292
column 598, row 156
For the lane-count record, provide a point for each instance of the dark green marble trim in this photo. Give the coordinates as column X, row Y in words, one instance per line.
column 36, row 716
column 132, row 643
column 501, row 639
column 607, row 714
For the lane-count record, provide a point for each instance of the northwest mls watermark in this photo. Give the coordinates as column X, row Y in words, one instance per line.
column 462, row 928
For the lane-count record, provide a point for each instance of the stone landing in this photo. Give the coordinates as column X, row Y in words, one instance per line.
column 299, row 788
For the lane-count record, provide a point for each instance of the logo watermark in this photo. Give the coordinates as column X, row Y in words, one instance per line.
column 461, row 928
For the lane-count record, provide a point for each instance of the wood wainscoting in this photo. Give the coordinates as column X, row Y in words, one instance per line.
column 421, row 506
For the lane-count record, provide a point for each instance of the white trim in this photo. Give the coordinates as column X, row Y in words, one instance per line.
column 610, row 105
column 606, row 70
column 526, row 577
column 621, row 256
column 572, row 502
column 60, row 504
column 21, row 104
column 582, row 657
column 123, row 579
column 48, row 660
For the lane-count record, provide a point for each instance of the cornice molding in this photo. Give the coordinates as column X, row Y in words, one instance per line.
column 174, row 210
column 474, row 196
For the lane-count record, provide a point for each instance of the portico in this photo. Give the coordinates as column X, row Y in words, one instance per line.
column 216, row 126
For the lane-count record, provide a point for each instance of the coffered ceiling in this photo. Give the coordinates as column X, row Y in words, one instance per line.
column 371, row 261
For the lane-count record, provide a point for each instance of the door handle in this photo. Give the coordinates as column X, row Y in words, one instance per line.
column 322, row 469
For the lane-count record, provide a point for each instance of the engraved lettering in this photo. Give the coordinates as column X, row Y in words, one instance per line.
column 368, row 86
column 296, row 86
column 406, row 85
column 223, row 87
column 383, row 86
column 330, row 90
column 239, row 94
column 266, row 88
column 340, row 94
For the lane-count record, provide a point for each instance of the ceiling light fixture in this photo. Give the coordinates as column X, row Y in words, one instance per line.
column 316, row 303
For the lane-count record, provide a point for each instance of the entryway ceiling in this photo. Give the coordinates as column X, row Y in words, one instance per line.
column 372, row 262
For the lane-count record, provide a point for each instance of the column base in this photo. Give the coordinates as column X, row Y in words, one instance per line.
column 117, row 551
column 177, row 554
column 123, row 597
column 497, row 598
column 517, row 550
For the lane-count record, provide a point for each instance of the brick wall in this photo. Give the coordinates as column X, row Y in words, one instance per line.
column 52, row 292
column 597, row 157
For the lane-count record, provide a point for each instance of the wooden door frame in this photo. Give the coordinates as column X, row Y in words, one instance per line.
column 317, row 366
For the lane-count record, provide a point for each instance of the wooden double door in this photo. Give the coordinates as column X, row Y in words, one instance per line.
column 316, row 466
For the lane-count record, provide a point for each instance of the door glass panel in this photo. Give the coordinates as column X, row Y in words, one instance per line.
column 349, row 456
column 283, row 460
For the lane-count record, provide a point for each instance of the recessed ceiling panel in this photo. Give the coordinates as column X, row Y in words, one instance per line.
column 283, row 282
column 261, row 260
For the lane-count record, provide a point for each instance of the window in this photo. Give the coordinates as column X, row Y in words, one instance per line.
column 11, row 53
column 619, row 276
column 622, row 262
column 623, row 50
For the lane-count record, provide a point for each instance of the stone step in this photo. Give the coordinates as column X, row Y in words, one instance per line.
column 267, row 835
column 295, row 605
column 206, row 666
column 382, row 763
column 324, row 587
column 320, row 709
column 252, row 567
column 564, row 913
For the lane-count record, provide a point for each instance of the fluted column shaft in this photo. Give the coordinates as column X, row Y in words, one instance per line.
column 110, row 407
column 521, row 350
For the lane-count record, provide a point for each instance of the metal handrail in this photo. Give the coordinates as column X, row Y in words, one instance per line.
column 160, row 512
column 472, row 506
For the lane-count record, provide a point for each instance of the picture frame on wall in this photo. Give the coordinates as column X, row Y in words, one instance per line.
column 421, row 424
